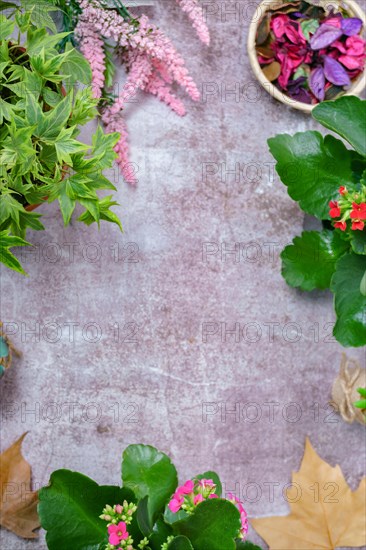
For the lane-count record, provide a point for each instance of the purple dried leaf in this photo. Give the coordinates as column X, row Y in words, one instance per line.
column 317, row 83
column 324, row 36
column 351, row 26
column 335, row 72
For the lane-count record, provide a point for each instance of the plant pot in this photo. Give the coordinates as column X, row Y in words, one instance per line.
column 357, row 86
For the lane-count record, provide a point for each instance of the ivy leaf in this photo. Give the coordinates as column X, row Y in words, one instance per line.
column 9, row 209
column 309, row 262
column 75, row 502
column 33, row 111
column 77, row 187
column 104, row 212
column 347, row 117
column 76, row 66
column 6, row 111
column 214, row 524
column 6, row 257
column 6, row 27
column 349, row 303
column 103, row 148
column 180, row 543
column 39, row 39
column 312, row 168
column 55, row 120
column 66, row 145
column 67, row 204
column 149, row 472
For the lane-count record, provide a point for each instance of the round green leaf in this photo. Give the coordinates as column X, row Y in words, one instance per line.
column 180, row 543
column 310, row 261
column 149, row 472
column 347, row 117
column 349, row 303
column 214, row 524
column 312, row 168
column 69, row 510
column 246, row 545
column 358, row 242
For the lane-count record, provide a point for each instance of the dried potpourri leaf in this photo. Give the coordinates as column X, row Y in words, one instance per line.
column 272, row 71
column 263, row 30
column 333, row 92
column 265, row 51
column 327, row 515
column 18, row 507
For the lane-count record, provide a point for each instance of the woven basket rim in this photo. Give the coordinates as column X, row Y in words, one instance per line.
column 357, row 87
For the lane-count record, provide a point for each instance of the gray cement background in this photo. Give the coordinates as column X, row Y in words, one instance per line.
column 149, row 373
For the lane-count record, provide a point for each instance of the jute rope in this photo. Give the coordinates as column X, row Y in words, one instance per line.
column 344, row 391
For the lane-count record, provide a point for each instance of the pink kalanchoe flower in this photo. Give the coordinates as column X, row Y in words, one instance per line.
column 118, row 508
column 195, row 14
column 197, row 499
column 176, row 503
column 358, row 225
column 358, row 211
column 186, row 488
column 117, row 533
column 343, row 190
column 243, row 514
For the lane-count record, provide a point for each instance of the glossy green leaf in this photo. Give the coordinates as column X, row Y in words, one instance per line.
column 349, row 303
column 246, row 545
column 358, row 242
column 214, row 524
column 149, row 472
column 309, row 262
column 180, row 543
column 6, row 257
column 312, row 168
column 66, row 145
column 69, row 510
column 347, row 117
column 52, row 122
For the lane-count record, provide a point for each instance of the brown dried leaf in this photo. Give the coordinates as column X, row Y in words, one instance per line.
column 327, row 515
column 263, row 30
column 265, row 51
column 272, row 71
column 18, row 507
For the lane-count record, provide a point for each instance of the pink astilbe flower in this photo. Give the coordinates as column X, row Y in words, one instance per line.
column 151, row 60
column 92, row 48
column 195, row 14
column 115, row 123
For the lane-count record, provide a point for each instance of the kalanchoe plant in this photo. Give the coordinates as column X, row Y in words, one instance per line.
column 329, row 181
column 309, row 52
column 149, row 512
column 41, row 158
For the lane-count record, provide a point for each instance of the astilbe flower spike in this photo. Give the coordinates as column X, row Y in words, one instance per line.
column 152, row 63
column 196, row 15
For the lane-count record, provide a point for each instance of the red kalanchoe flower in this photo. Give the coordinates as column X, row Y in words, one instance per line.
column 334, row 211
column 343, row 190
column 341, row 225
column 357, row 224
column 359, row 211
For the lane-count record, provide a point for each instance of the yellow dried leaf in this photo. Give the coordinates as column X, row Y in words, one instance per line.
column 18, row 507
column 325, row 513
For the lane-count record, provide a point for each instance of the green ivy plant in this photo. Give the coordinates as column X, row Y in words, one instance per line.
column 41, row 111
column 328, row 179
column 74, row 510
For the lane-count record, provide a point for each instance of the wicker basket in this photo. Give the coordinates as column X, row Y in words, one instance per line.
column 357, row 86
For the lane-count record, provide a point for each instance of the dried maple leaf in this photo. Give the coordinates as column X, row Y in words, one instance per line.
column 325, row 513
column 18, row 507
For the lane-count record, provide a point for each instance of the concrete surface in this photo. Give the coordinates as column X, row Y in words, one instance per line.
column 154, row 365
